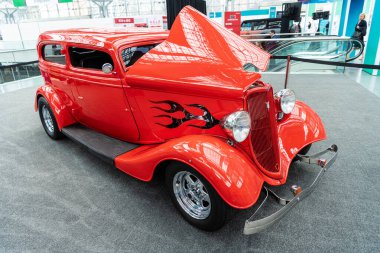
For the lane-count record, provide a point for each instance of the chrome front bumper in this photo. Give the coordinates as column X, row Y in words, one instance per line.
column 256, row 224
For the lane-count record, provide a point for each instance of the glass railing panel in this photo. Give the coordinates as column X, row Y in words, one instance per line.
column 18, row 56
column 17, row 45
column 18, row 72
column 336, row 50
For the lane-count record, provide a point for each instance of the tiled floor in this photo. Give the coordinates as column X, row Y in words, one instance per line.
column 57, row 197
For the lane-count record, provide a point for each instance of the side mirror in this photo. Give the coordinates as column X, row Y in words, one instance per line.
column 107, row 68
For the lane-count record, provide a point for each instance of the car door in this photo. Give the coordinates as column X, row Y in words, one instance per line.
column 102, row 103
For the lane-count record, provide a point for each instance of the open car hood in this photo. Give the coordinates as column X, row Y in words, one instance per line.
column 199, row 51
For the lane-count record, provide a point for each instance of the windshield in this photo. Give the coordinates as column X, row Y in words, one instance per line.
column 131, row 54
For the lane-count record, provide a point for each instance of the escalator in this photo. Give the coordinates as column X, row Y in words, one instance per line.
column 328, row 48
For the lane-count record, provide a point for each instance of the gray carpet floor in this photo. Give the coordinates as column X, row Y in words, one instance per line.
column 57, row 197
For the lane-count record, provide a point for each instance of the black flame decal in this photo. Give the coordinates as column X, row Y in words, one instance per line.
column 209, row 120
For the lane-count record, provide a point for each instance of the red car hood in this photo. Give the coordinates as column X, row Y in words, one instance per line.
column 199, row 52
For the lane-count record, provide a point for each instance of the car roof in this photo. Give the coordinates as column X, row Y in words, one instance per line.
column 104, row 37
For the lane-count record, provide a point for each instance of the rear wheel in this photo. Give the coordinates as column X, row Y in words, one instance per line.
column 194, row 197
column 48, row 120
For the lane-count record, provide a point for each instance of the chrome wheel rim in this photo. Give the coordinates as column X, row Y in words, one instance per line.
column 191, row 195
column 47, row 119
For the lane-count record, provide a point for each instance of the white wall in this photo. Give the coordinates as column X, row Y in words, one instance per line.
column 25, row 35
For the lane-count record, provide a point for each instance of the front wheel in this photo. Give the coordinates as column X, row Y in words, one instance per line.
column 195, row 198
column 48, row 120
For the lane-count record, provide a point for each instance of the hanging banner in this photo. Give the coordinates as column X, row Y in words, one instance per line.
column 232, row 20
column 19, row 3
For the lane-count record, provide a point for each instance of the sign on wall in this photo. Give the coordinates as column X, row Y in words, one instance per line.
column 151, row 21
column 232, row 20
column 165, row 22
column 124, row 22
column 272, row 12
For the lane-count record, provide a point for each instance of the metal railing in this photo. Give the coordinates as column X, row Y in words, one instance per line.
column 333, row 48
column 13, row 72
column 248, row 34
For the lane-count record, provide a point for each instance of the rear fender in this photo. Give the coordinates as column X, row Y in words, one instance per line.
column 232, row 174
column 299, row 129
column 60, row 110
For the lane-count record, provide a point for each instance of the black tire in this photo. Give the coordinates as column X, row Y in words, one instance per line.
column 51, row 129
column 218, row 208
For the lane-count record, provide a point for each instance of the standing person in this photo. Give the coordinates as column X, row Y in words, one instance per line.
column 271, row 44
column 360, row 31
column 361, row 28
column 273, row 34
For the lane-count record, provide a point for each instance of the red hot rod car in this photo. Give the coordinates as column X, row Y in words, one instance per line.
column 189, row 103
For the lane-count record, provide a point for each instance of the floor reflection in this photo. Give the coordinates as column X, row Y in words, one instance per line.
column 371, row 83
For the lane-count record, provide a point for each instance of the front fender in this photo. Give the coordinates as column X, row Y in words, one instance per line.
column 59, row 109
column 301, row 128
column 236, row 179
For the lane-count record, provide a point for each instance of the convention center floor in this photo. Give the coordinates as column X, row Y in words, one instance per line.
column 55, row 196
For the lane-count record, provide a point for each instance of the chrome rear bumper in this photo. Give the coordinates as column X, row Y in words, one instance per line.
column 254, row 224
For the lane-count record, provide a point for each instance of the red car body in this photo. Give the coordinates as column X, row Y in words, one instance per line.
column 172, row 100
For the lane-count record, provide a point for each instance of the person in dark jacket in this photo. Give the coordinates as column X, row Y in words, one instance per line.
column 361, row 27
column 360, row 31
column 271, row 44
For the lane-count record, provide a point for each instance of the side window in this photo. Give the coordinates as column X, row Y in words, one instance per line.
column 246, row 26
column 52, row 53
column 131, row 54
column 274, row 24
column 259, row 25
column 88, row 58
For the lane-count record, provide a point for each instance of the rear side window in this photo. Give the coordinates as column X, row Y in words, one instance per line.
column 259, row 25
column 274, row 24
column 52, row 53
column 88, row 58
column 131, row 54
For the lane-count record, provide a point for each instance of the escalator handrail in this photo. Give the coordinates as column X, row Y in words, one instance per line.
column 292, row 42
column 281, row 34
column 357, row 55
column 288, row 43
column 297, row 39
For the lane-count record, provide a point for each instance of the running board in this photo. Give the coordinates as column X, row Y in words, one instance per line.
column 105, row 147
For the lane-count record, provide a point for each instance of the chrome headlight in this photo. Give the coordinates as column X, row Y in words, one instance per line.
column 287, row 100
column 237, row 125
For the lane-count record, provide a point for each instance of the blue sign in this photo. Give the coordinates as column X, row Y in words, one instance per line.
column 272, row 12
column 255, row 12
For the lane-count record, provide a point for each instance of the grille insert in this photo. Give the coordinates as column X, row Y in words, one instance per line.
column 261, row 132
